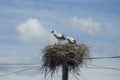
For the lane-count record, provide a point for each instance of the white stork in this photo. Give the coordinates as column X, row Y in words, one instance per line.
column 71, row 40
column 58, row 36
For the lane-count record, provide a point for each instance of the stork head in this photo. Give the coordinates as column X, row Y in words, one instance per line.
column 68, row 37
column 52, row 31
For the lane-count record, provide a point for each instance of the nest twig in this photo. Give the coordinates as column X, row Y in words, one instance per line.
column 71, row 55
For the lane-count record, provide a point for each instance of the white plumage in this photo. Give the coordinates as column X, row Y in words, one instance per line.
column 71, row 40
column 58, row 36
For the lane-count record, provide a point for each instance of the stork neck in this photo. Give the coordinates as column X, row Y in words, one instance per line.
column 54, row 31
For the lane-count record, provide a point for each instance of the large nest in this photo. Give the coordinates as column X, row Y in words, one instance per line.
column 71, row 55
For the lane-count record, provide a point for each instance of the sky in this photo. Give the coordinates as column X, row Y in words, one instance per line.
column 25, row 27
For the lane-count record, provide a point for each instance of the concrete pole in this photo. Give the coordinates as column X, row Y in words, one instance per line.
column 64, row 72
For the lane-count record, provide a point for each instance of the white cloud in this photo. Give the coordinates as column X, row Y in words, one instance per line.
column 88, row 25
column 32, row 30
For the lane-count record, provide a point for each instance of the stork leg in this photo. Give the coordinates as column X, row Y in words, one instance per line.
column 59, row 41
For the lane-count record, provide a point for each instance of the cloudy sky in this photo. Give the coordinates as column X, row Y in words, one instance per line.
column 25, row 27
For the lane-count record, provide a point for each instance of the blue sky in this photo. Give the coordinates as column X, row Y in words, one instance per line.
column 25, row 27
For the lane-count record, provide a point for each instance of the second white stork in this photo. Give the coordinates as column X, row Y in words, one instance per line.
column 58, row 36
column 71, row 40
